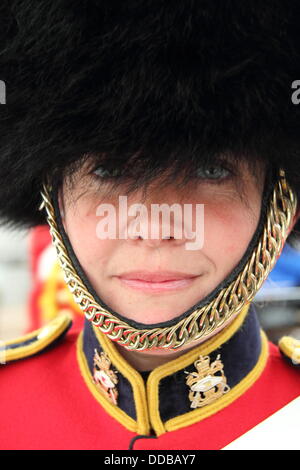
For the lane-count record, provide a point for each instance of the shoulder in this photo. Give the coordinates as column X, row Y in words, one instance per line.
column 35, row 342
column 283, row 366
column 35, row 366
column 36, row 383
column 280, row 380
column 26, row 361
column 289, row 348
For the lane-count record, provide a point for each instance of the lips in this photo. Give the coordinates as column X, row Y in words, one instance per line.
column 155, row 282
column 156, row 277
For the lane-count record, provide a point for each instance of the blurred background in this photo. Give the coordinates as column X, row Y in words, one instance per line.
column 15, row 283
column 32, row 289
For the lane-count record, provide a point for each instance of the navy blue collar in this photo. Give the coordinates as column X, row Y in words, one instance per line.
column 181, row 390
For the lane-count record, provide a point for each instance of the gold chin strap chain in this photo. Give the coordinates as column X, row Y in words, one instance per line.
column 201, row 322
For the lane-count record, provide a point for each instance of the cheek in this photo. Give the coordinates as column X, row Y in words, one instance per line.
column 91, row 251
column 228, row 229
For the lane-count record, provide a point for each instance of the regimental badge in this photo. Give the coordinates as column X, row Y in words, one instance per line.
column 104, row 378
column 208, row 383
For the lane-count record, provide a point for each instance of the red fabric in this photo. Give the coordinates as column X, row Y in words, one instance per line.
column 39, row 239
column 45, row 404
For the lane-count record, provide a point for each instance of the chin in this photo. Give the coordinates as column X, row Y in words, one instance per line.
column 150, row 319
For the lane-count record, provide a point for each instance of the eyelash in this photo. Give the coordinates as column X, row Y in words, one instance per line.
column 227, row 171
column 106, row 177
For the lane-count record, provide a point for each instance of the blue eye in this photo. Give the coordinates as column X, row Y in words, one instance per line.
column 102, row 172
column 212, row 173
column 209, row 173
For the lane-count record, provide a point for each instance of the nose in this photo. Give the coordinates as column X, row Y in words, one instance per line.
column 159, row 217
column 155, row 243
column 154, row 230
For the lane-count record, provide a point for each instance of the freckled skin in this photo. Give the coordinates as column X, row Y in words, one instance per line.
column 229, row 224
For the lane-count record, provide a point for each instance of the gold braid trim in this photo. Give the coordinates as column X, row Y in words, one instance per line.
column 203, row 321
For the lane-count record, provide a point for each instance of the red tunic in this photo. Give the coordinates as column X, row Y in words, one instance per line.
column 46, row 404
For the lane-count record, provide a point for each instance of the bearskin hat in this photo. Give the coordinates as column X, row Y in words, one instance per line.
column 143, row 86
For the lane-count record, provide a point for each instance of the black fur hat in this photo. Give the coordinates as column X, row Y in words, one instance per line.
column 143, row 86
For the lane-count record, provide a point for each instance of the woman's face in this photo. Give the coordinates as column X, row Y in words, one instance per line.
column 231, row 205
